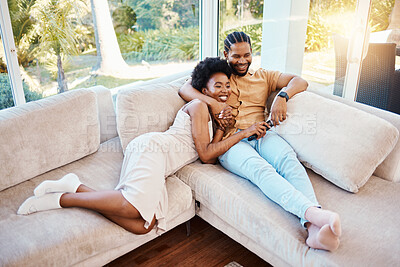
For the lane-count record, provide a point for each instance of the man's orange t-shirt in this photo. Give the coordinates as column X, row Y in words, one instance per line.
column 249, row 96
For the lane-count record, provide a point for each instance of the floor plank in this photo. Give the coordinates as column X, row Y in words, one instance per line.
column 206, row 246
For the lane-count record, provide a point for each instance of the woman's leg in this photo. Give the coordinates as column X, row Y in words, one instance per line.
column 109, row 202
column 243, row 160
column 133, row 223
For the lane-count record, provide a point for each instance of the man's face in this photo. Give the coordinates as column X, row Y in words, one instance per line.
column 239, row 58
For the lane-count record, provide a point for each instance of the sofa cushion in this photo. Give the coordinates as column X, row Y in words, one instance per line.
column 66, row 237
column 106, row 111
column 369, row 218
column 148, row 108
column 389, row 169
column 341, row 143
column 45, row 134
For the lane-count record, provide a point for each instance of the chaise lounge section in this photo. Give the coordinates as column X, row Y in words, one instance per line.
column 47, row 139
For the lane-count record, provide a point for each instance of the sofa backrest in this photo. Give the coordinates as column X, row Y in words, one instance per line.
column 149, row 107
column 42, row 135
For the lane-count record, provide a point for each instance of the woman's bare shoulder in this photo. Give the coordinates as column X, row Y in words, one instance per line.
column 196, row 105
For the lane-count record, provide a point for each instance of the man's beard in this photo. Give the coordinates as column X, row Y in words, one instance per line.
column 238, row 73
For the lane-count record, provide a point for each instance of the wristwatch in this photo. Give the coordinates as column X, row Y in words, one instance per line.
column 284, row 95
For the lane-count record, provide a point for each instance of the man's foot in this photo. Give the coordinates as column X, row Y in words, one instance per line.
column 68, row 184
column 35, row 204
column 322, row 238
column 321, row 217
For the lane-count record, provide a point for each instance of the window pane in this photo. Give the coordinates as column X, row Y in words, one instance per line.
column 246, row 16
column 162, row 38
column 385, row 24
column 57, row 49
column 6, row 98
column 320, row 63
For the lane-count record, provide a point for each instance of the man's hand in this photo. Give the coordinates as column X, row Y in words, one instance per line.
column 278, row 110
column 222, row 114
column 294, row 85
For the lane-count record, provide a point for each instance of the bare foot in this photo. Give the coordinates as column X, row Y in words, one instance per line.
column 321, row 217
column 322, row 238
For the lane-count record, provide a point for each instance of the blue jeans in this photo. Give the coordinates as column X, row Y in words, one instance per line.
column 272, row 165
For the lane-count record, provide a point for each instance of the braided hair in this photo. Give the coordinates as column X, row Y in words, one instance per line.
column 206, row 68
column 235, row 37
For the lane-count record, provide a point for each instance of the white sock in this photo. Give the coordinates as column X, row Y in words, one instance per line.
column 68, row 184
column 34, row 203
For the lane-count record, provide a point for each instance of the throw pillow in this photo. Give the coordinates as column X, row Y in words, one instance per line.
column 147, row 108
column 341, row 143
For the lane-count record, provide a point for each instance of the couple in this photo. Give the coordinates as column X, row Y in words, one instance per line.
column 138, row 203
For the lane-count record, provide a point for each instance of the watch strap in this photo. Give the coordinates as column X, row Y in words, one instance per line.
column 284, row 95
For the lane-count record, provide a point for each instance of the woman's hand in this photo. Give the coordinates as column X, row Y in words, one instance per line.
column 259, row 128
column 222, row 114
column 278, row 110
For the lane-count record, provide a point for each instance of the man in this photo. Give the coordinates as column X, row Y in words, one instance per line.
column 268, row 162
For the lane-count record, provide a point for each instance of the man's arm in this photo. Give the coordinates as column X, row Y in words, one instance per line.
column 188, row 93
column 291, row 84
column 294, row 84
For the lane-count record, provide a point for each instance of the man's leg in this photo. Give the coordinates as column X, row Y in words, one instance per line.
column 281, row 156
column 243, row 160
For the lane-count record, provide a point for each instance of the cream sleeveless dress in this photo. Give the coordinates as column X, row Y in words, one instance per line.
column 149, row 159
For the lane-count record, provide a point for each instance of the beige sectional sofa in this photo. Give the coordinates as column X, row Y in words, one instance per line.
column 77, row 132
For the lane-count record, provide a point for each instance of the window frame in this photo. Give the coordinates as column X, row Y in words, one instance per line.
column 11, row 55
column 209, row 27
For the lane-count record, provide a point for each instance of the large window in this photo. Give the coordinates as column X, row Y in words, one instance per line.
column 68, row 44
column 331, row 25
column 246, row 16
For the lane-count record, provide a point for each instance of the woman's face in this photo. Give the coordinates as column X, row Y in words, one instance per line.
column 218, row 87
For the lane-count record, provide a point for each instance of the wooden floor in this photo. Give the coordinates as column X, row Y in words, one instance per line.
column 206, row 246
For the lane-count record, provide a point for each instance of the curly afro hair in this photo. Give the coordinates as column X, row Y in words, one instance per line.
column 206, row 68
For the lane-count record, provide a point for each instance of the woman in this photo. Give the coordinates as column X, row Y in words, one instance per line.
column 140, row 198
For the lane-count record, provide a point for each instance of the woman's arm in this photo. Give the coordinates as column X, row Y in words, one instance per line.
column 209, row 150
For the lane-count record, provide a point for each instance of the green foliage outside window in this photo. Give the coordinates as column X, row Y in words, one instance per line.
column 124, row 19
column 6, row 98
column 160, row 45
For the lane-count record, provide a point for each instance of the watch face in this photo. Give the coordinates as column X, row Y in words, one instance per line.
column 284, row 94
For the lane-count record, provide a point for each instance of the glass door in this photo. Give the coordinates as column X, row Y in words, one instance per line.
column 330, row 26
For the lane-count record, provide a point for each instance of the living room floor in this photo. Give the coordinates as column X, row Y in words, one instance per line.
column 206, row 246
